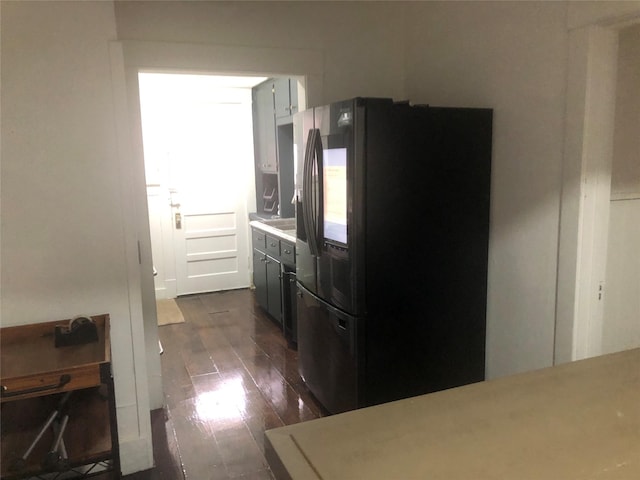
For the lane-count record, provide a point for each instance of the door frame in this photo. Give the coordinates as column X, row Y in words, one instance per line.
column 166, row 267
column 164, row 197
column 138, row 56
column 208, row 59
column 586, row 186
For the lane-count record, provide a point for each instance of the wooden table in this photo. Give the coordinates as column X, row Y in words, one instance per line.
column 35, row 374
column 579, row 420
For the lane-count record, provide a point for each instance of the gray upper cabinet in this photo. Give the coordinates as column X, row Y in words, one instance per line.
column 274, row 102
column 293, row 95
column 285, row 96
column 264, row 128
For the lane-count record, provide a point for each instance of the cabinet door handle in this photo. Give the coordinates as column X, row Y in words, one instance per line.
column 288, row 252
column 64, row 379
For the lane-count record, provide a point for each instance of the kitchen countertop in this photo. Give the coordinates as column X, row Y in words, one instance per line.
column 579, row 420
column 286, row 233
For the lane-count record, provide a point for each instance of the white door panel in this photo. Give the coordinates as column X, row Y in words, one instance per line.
column 210, row 245
column 621, row 330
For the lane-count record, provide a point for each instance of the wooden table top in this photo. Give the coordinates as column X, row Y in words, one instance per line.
column 579, row 420
column 30, row 350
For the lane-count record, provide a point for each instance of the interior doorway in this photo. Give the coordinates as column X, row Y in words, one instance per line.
column 621, row 329
column 586, row 282
column 197, row 133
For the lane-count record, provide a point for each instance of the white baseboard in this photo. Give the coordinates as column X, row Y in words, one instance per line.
column 136, row 455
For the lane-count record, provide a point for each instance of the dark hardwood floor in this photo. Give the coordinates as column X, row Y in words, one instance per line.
column 228, row 376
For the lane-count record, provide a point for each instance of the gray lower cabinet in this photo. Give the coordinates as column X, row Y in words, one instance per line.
column 273, row 276
column 260, row 278
column 289, row 316
column 267, row 280
column 274, row 288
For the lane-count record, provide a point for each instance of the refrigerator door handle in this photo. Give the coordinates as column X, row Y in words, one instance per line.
column 307, row 186
column 319, row 208
column 313, row 195
column 313, row 182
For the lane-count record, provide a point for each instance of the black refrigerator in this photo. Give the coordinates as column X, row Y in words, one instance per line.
column 392, row 226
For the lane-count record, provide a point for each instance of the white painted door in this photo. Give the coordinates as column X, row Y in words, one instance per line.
column 621, row 330
column 202, row 143
column 210, row 243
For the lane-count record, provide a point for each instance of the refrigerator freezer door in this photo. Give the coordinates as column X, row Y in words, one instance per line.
column 328, row 352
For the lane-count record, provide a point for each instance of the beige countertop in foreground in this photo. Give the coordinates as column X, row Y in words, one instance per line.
column 579, row 420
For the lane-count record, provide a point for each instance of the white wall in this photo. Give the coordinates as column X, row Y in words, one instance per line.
column 64, row 250
column 509, row 56
column 359, row 46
